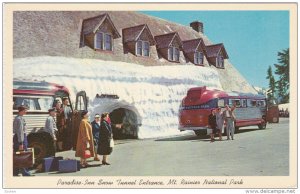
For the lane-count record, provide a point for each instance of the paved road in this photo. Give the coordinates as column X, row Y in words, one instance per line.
column 254, row 152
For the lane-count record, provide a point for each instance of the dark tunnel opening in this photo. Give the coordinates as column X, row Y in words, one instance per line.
column 129, row 128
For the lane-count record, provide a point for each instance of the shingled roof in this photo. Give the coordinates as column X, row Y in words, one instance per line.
column 190, row 46
column 91, row 25
column 133, row 33
column 213, row 50
column 164, row 41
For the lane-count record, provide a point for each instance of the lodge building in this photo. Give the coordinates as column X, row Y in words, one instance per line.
column 100, row 34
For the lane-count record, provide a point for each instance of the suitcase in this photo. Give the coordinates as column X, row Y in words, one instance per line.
column 67, row 165
column 23, row 159
column 51, row 164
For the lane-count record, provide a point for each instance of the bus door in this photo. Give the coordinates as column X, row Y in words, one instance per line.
column 80, row 105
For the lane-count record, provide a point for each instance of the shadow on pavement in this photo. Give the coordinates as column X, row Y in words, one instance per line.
column 183, row 138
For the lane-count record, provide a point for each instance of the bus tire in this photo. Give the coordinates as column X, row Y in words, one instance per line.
column 237, row 129
column 263, row 125
column 198, row 132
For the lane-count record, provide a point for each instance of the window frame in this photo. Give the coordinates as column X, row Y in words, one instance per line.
column 173, row 56
column 142, row 48
column 198, row 58
column 103, row 43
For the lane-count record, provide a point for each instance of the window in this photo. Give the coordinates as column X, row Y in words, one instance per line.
column 173, row 54
column 107, row 44
column 146, row 48
column 142, row 48
column 236, row 102
column 33, row 103
column 220, row 61
column 243, row 103
column 99, row 41
column 251, row 103
column 198, row 58
column 221, row 103
column 103, row 41
column 81, row 104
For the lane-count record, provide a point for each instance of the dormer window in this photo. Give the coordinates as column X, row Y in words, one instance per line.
column 142, row 48
column 173, row 54
column 198, row 58
column 216, row 55
column 169, row 46
column 103, row 41
column 98, row 33
column 138, row 40
column 195, row 51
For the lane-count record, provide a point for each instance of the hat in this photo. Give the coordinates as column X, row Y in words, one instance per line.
column 52, row 109
column 84, row 113
column 97, row 116
column 21, row 108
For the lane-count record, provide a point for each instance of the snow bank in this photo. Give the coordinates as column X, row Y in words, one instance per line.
column 153, row 93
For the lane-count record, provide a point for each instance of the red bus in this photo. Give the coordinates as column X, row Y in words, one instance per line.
column 197, row 104
column 39, row 97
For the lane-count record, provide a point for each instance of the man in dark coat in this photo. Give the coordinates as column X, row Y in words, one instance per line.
column 96, row 131
column 212, row 122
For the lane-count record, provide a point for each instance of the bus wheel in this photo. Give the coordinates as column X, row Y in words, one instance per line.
column 262, row 125
column 237, row 129
column 198, row 132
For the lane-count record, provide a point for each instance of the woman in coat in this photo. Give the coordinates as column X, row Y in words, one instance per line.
column 85, row 139
column 104, row 147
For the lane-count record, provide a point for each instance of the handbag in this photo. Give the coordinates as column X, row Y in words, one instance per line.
column 23, row 159
column 87, row 154
column 111, row 143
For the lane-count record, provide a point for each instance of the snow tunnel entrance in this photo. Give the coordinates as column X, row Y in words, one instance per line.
column 130, row 123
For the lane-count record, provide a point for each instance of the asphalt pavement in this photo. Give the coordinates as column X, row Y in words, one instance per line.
column 253, row 152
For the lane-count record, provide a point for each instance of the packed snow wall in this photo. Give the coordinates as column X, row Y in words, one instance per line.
column 152, row 95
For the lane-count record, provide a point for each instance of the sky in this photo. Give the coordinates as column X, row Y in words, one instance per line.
column 252, row 39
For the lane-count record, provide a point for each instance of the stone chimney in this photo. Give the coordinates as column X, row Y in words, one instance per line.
column 197, row 26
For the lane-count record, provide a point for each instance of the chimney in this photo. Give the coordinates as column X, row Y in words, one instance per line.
column 197, row 26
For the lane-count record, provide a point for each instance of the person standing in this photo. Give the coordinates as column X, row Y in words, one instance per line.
column 84, row 139
column 212, row 123
column 20, row 142
column 96, row 131
column 229, row 118
column 104, row 147
column 50, row 126
column 220, row 122
column 67, row 131
column 59, row 125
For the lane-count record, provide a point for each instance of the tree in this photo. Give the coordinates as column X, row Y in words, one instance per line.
column 283, row 70
column 272, row 83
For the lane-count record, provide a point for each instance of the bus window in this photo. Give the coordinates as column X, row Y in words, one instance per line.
column 221, row 103
column 236, row 102
column 261, row 103
column 251, row 103
column 243, row 103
